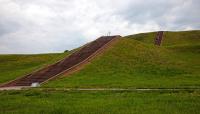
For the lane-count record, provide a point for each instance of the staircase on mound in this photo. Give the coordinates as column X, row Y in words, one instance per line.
column 64, row 65
column 159, row 37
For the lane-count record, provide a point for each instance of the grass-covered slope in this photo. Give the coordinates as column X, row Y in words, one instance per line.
column 136, row 63
column 13, row 66
column 170, row 38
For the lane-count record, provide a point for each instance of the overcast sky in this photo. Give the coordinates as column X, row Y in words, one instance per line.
column 43, row 26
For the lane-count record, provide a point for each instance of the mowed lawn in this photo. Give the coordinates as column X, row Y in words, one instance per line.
column 14, row 66
column 134, row 62
column 99, row 102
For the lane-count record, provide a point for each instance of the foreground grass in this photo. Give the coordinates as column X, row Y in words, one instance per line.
column 99, row 102
column 13, row 66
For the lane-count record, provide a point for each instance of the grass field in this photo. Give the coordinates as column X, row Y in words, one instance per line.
column 94, row 102
column 13, row 66
column 138, row 64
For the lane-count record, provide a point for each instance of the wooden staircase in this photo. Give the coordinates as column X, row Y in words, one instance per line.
column 159, row 37
column 62, row 66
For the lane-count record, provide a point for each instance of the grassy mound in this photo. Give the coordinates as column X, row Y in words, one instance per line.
column 135, row 63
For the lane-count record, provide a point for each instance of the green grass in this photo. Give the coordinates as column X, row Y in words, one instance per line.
column 13, row 66
column 138, row 64
column 144, row 37
column 181, row 38
column 95, row 102
column 170, row 38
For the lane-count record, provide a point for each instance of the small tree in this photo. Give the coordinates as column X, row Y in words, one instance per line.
column 66, row 51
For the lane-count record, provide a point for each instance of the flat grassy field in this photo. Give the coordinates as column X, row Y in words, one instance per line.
column 99, row 102
column 133, row 63
column 13, row 66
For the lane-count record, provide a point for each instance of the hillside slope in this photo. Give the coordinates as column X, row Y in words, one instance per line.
column 14, row 66
column 170, row 38
column 136, row 63
column 67, row 65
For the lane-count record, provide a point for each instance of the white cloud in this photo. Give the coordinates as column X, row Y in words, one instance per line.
column 41, row 26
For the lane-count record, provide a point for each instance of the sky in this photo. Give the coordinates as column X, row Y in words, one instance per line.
column 51, row 26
